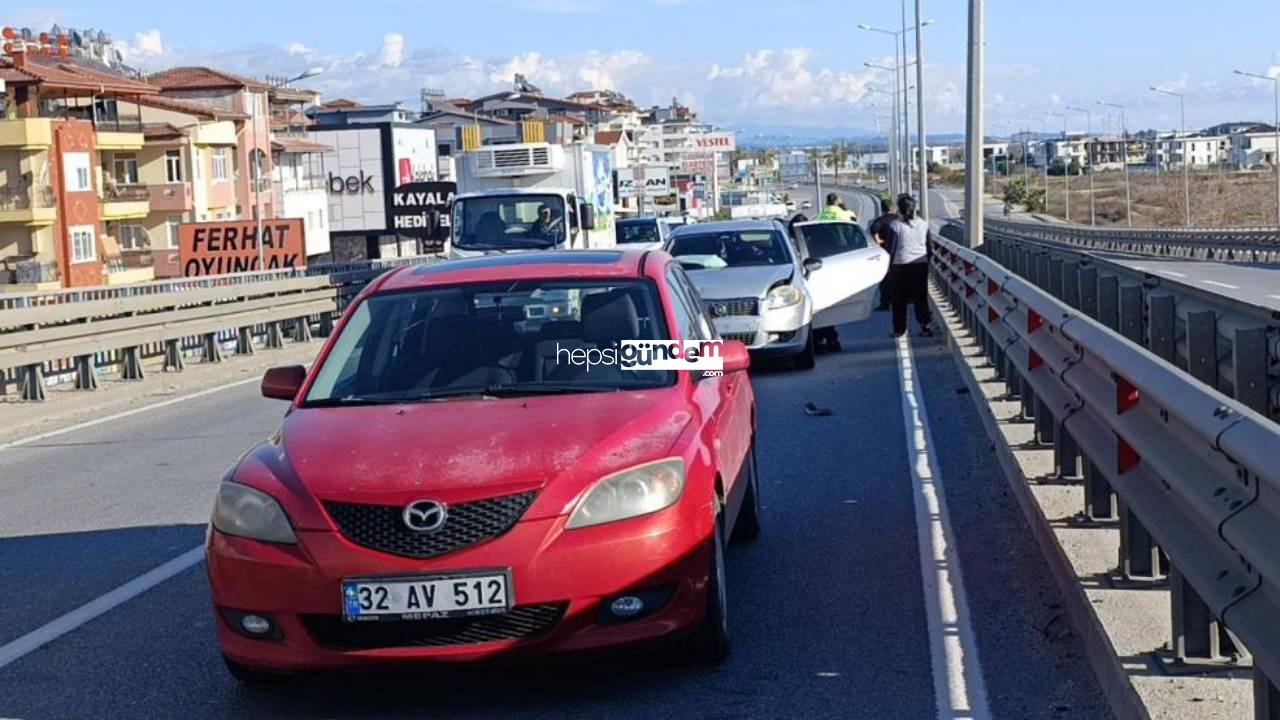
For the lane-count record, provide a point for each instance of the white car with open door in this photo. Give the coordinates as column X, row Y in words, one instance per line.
column 760, row 290
column 843, row 285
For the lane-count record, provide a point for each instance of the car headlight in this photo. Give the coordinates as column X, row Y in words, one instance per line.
column 635, row 491
column 241, row 510
column 783, row 296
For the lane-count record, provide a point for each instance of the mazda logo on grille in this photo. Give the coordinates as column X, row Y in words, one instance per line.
column 719, row 310
column 424, row 515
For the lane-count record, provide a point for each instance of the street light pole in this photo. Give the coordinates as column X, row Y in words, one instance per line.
column 257, row 160
column 1088, row 114
column 923, row 142
column 1186, row 172
column 895, row 165
column 1275, row 154
column 974, row 187
column 900, row 87
column 1066, row 169
column 1124, row 161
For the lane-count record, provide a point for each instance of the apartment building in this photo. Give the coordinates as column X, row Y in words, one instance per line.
column 64, row 122
column 1251, row 150
column 1169, row 150
column 298, row 170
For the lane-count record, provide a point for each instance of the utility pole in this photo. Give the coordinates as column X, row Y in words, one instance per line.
column 1088, row 114
column 920, row 128
column 1066, row 170
column 973, row 186
column 906, row 113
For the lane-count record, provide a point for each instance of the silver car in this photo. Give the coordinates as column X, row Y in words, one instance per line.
column 765, row 289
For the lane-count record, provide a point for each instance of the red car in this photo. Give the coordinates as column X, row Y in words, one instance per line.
column 450, row 485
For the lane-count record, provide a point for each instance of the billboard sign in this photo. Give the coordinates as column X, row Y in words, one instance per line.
column 421, row 210
column 626, row 182
column 232, row 246
column 697, row 163
column 657, row 181
column 713, row 142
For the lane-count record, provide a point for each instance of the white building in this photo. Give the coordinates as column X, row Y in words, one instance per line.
column 938, row 155
column 1249, row 150
column 1201, row 151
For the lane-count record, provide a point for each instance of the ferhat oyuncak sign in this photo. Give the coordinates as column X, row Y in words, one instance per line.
column 232, row 246
column 421, row 210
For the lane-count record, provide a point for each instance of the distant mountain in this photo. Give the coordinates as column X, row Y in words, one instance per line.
column 797, row 136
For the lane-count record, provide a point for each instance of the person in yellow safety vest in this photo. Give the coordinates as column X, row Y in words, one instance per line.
column 833, row 211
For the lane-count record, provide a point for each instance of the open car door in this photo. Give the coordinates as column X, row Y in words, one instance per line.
column 843, row 289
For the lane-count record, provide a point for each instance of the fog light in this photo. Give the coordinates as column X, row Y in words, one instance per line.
column 627, row 606
column 255, row 624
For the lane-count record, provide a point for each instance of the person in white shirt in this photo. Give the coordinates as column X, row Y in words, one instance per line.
column 909, row 268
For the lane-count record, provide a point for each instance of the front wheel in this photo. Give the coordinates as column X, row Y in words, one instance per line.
column 710, row 642
column 807, row 359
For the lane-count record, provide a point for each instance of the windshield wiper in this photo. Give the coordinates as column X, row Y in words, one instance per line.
column 438, row 394
column 545, row 389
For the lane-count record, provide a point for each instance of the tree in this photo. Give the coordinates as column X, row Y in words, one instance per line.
column 836, row 157
column 1075, row 168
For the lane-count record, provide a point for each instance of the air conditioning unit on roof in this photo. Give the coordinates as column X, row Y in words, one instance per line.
column 517, row 160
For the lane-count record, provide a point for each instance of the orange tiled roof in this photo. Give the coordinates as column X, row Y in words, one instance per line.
column 608, row 137
column 56, row 75
column 196, row 78
column 192, row 108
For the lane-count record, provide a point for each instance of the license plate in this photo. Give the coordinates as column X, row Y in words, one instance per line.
column 426, row 597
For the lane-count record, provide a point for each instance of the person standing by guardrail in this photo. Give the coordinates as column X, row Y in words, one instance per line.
column 880, row 230
column 909, row 268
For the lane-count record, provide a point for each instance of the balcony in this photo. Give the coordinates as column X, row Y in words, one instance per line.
column 170, row 197
column 124, row 202
column 27, row 205
column 26, row 133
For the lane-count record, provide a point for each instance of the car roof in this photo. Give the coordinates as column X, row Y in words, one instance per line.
column 638, row 221
column 725, row 226
column 530, row 265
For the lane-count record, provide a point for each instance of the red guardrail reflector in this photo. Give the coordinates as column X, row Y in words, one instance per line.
column 1127, row 395
column 992, row 315
column 968, row 291
column 1034, row 360
column 968, row 268
column 1126, row 457
column 1034, row 321
column 992, row 287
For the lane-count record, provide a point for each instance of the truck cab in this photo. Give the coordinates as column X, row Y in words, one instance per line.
column 532, row 196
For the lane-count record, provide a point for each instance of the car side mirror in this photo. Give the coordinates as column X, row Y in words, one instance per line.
column 283, row 383
column 812, row 264
column 735, row 356
column 586, row 215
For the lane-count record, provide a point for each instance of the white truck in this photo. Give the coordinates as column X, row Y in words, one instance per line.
column 532, row 196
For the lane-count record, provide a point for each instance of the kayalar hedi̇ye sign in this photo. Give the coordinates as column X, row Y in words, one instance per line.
column 704, row 355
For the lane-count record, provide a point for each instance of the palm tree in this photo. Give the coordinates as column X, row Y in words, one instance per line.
column 837, row 157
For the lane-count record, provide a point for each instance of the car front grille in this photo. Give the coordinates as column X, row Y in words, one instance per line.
column 744, row 338
column 733, row 306
column 382, row 528
column 519, row 623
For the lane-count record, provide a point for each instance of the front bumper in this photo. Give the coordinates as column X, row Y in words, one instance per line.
column 559, row 579
column 783, row 331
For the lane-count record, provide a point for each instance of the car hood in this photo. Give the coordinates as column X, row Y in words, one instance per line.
column 750, row 281
column 457, row 451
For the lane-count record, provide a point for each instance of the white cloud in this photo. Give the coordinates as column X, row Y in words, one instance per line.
column 786, row 84
column 297, row 48
column 392, row 54
column 146, row 45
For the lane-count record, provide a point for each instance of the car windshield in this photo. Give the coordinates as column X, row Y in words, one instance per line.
column 490, row 339
column 824, row 239
column 508, row 222
column 737, row 248
column 638, row 231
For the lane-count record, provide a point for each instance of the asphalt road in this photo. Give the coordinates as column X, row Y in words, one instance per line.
column 826, row 608
column 862, row 205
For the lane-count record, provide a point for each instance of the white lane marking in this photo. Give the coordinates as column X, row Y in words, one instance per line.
column 127, row 413
column 1274, row 297
column 958, row 685
column 1174, row 274
column 58, row 627
column 1215, row 283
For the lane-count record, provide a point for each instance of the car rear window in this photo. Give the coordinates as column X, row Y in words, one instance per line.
column 638, row 232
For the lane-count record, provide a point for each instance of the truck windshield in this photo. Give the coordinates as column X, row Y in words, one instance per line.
column 509, row 222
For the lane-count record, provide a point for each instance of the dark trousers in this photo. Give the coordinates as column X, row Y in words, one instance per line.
column 910, row 284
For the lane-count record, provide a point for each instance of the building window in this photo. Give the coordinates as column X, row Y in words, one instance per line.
column 124, row 167
column 76, row 165
column 132, row 236
column 221, row 168
column 171, row 226
column 173, row 165
column 83, row 247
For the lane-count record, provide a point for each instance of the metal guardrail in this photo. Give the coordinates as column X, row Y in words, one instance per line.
column 1194, row 472
column 1225, row 343
column 79, row 331
column 1224, row 244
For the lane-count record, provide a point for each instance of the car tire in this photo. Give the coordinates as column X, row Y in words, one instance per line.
column 807, row 359
column 709, row 644
column 747, row 528
column 251, row 676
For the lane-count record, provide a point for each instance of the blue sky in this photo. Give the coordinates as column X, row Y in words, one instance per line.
column 750, row 61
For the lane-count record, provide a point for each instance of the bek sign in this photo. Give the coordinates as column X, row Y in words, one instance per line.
column 232, row 246
column 421, row 210
column 351, row 185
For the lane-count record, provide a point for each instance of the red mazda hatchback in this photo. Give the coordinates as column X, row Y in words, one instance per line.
column 456, row 480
